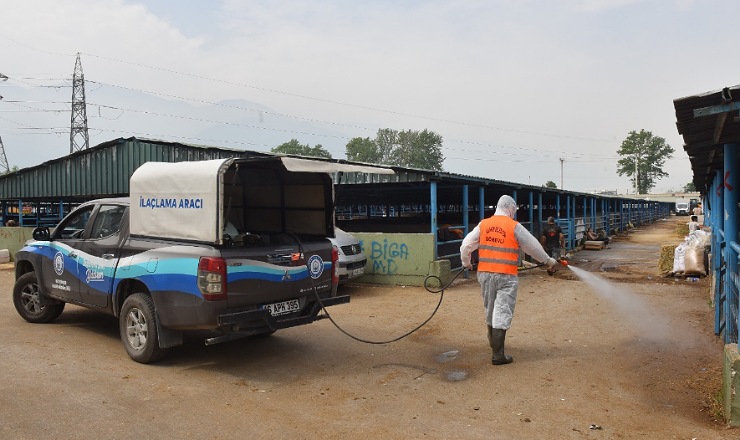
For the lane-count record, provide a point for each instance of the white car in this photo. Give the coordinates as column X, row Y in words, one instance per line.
column 351, row 259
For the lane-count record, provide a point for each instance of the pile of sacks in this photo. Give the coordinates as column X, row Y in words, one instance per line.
column 689, row 257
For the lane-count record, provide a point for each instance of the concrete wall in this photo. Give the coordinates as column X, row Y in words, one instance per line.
column 396, row 259
column 399, row 259
column 13, row 238
column 730, row 384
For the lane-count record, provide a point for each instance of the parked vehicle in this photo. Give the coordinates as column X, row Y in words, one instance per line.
column 236, row 247
column 682, row 207
column 351, row 260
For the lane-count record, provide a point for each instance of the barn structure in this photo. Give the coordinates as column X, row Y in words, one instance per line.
column 710, row 126
column 410, row 223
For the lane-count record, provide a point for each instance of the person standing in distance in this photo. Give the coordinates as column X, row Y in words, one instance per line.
column 552, row 238
column 498, row 239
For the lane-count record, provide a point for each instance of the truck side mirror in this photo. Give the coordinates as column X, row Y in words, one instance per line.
column 41, row 233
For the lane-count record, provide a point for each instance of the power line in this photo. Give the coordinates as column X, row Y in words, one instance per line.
column 221, row 104
column 307, row 97
column 213, row 121
column 345, row 104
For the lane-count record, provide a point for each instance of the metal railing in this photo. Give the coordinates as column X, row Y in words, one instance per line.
column 731, row 268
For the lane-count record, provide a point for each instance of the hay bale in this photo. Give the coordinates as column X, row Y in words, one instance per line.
column 665, row 263
column 682, row 228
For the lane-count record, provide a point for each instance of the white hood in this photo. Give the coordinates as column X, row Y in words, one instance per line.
column 506, row 206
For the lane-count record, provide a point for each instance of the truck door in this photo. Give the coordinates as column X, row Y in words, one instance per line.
column 61, row 277
column 100, row 253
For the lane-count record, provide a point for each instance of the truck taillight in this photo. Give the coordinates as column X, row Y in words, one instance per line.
column 212, row 278
column 334, row 265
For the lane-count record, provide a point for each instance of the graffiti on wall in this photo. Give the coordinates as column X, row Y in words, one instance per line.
column 385, row 255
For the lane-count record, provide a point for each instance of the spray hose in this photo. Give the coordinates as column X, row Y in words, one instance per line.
column 441, row 291
column 356, row 338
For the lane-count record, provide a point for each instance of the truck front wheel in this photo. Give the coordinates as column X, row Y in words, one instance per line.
column 27, row 302
column 138, row 328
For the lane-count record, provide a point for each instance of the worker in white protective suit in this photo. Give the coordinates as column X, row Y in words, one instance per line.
column 498, row 239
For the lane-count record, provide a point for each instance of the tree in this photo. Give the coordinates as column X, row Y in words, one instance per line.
column 689, row 187
column 363, row 150
column 643, row 156
column 409, row 148
column 550, row 184
column 293, row 147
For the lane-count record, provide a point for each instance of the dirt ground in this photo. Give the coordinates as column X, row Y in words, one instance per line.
column 636, row 359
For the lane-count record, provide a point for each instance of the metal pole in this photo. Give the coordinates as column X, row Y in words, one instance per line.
column 729, row 183
column 714, row 219
column 561, row 173
column 433, row 213
column 637, row 175
column 481, row 203
column 465, row 208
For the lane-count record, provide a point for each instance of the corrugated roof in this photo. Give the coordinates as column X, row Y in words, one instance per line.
column 708, row 121
column 101, row 171
column 104, row 171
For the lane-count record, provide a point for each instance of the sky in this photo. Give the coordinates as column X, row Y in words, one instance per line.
column 526, row 91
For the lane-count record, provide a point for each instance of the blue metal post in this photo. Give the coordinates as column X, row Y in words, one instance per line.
column 481, row 203
column 593, row 213
column 729, row 183
column 539, row 207
column 433, row 202
column 531, row 212
column 465, row 208
column 714, row 218
column 585, row 211
column 571, row 223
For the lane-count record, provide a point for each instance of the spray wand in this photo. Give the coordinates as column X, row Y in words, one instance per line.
column 563, row 262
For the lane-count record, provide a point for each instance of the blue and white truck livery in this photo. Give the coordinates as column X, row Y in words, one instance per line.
column 235, row 247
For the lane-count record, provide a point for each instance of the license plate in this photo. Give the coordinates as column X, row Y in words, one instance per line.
column 283, row 308
column 358, row 271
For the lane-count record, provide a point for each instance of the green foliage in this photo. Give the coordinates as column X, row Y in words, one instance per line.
column 407, row 148
column 689, row 187
column 294, row 147
column 363, row 150
column 649, row 153
column 550, row 184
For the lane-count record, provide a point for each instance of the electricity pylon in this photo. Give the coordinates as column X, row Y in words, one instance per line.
column 78, row 128
column 4, row 166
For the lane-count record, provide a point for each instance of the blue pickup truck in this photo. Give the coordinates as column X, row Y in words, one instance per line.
column 233, row 247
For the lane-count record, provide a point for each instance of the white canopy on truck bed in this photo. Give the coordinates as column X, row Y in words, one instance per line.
column 177, row 200
column 185, row 200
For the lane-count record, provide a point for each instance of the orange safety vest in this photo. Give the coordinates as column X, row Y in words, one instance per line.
column 498, row 250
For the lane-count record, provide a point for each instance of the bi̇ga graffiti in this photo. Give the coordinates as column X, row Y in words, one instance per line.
column 385, row 256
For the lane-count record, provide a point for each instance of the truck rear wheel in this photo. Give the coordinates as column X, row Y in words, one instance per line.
column 27, row 302
column 138, row 328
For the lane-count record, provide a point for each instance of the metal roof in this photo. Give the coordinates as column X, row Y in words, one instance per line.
column 104, row 171
column 707, row 122
column 101, row 171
